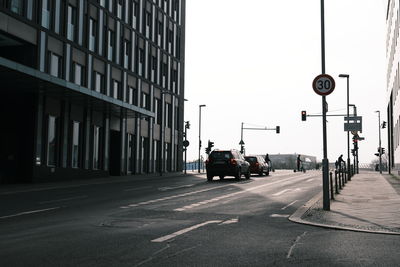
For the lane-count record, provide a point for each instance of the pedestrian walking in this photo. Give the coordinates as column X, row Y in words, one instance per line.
column 299, row 161
column 339, row 162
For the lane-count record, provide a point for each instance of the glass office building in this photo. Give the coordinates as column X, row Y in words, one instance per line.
column 90, row 88
column 393, row 84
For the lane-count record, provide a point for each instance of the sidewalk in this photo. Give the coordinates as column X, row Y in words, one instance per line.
column 367, row 203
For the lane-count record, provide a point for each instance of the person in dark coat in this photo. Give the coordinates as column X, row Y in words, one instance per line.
column 298, row 162
column 339, row 161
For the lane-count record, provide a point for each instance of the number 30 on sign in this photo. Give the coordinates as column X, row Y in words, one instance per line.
column 323, row 84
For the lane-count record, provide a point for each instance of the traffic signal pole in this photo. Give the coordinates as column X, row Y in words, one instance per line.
column 325, row 162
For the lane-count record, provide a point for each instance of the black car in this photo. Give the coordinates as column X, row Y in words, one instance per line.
column 257, row 165
column 227, row 163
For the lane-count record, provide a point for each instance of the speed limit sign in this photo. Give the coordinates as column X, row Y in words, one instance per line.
column 323, row 84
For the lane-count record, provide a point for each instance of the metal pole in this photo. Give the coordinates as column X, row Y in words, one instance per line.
column 325, row 162
column 185, row 147
column 241, row 139
column 380, row 148
column 199, row 136
column 348, row 133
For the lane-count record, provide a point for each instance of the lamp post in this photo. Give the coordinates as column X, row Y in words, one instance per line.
column 348, row 134
column 200, row 106
column 379, row 148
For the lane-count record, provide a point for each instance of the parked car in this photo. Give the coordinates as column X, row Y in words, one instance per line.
column 227, row 163
column 258, row 165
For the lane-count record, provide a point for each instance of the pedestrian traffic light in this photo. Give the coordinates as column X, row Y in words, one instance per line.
column 384, row 125
column 208, row 150
column 303, row 115
column 278, row 129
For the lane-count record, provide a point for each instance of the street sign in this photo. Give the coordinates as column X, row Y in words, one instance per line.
column 323, row 84
column 185, row 143
column 353, row 124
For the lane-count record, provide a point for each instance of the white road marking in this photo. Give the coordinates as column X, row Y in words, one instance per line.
column 309, row 180
column 294, row 244
column 137, row 188
column 183, row 231
column 62, row 199
column 279, row 215
column 281, row 192
column 288, row 205
column 235, row 220
column 171, row 197
column 28, row 212
column 194, row 205
column 175, row 187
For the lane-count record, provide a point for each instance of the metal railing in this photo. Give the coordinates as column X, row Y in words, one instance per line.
column 341, row 177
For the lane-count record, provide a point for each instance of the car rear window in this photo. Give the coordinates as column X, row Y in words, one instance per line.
column 220, row 155
column 251, row 159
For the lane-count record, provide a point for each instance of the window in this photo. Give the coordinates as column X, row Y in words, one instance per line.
column 75, row 144
column 131, row 95
column 98, row 82
column 145, row 101
column 126, row 53
column 71, row 23
column 46, row 14
column 110, row 45
column 78, row 74
column 17, row 6
column 55, row 65
column 119, row 9
column 92, row 34
column 116, row 89
column 96, row 147
column 52, row 141
column 157, row 111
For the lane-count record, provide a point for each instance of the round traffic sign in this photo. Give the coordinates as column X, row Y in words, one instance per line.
column 323, row 84
column 185, row 143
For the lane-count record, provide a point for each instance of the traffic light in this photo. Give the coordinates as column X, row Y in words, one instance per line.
column 382, row 150
column 278, row 129
column 353, row 152
column 187, row 125
column 384, row 125
column 303, row 115
column 209, row 147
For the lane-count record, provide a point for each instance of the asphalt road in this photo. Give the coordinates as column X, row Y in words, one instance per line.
column 179, row 221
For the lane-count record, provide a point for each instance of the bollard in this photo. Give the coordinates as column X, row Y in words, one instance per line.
column 336, row 183
column 340, row 179
column 331, row 184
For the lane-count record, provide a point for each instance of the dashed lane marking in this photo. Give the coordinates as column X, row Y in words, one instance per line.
column 28, row 212
column 183, row 231
column 288, row 205
column 279, row 215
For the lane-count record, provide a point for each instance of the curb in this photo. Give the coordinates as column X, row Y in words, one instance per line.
column 304, row 209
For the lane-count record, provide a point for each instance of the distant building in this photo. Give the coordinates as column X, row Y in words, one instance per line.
column 90, row 88
column 289, row 161
column 393, row 84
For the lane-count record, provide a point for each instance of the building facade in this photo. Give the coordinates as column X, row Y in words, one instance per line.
column 393, row 84
column 90, row 88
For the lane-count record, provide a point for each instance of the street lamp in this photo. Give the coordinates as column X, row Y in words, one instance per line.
column 348, row 134
column 200, row 106
column 379, row 148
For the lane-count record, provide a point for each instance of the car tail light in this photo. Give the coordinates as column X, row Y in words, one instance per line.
column 232, row 161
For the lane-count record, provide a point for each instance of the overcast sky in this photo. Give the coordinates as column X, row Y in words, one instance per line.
column 254, row 61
